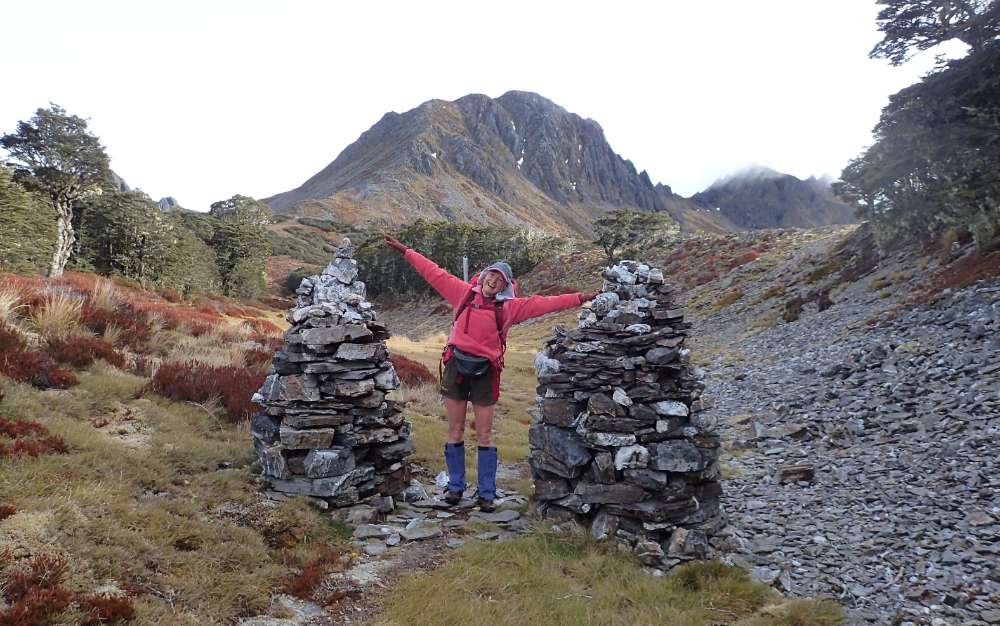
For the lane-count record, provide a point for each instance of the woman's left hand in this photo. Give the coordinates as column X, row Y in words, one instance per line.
column 586, row 297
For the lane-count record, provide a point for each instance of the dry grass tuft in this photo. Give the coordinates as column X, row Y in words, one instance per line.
column 104, row 295
column 59, row 314
column 10, row 303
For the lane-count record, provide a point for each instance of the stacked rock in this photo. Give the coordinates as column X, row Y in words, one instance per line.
column 614, row 443
column 326, row 428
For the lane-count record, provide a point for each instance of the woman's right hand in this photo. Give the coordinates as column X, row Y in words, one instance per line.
column 395, row 243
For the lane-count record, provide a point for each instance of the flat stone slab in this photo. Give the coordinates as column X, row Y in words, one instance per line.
column 497, row 517
column 421, row 531
column 370, row 531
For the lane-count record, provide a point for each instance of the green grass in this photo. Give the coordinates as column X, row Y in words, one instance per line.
column 546, row 579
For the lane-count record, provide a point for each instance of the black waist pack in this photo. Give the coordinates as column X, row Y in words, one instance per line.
column 469, row 364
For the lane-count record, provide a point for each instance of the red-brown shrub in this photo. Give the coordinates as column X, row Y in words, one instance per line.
column 270, row 342
column 34, row 447
column 10, row 339
column 234, row 311
column 36, row 368
column 132, row 324
column 743, row 259
column 303, row 584
column 18, row 430
column 411, row 372
column 6, row 511
column 14, row 429
column 80, row 281
column 198, row 382
column 257, row 357
column 102, row 609
column 45, row 571
column 37, row 607
column 81, row 351
column 170, row 295
column 264, row 327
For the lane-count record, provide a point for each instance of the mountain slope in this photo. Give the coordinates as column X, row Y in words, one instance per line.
column 519, row 159
column 763, row 198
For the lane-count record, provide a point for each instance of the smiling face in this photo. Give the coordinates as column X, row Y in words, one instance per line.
column 493, row 284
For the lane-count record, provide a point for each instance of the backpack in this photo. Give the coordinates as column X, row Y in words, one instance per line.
column 497, row 310
column 449, row 350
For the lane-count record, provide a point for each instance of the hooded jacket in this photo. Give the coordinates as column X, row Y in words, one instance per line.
column 475, row 332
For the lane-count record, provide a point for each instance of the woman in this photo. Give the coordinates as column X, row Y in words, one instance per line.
column 484, row 310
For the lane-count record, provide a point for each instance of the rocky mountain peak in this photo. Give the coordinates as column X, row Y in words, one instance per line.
column 519, row 159
column 761, row 197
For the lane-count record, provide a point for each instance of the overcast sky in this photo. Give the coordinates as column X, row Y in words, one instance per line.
column 202, row 100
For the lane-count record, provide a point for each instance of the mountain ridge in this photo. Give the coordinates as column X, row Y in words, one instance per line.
column 519, row 159
column 760, row 197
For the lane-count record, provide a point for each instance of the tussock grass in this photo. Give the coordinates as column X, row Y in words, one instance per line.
column 10, row 303
column 548, row 579
column 150, row 516
column 58, row 314
column 104, row 295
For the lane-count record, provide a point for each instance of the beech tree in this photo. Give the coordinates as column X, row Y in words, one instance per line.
column 54, row 154
column 909, row 25
column 626, row 231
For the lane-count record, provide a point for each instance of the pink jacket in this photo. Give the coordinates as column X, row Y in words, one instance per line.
column 476, row 331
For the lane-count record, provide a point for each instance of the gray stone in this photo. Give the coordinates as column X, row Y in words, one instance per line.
column 606, row 440
column 264, row 428
column 670, row 408
column 631, row 457
column 421, row 530
column 296, row 439
column 620, row 397
column 497, row 517
column 360, row 514
column 551, row 488
column 395, row 451
column 369, row 531
column 603, row 526
column 676, row 456
column 374, row 352
column 320, row 463
column 320, row 487
column 316, row 420
column 688, row 543
column 273, row 462
column 328, row 335
column 375, row 548
column 618, row 493
column 601, row 404
column 562, row 445
column 387, row 379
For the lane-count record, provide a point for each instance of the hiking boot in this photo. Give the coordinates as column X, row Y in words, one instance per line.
column 486, row 506
column 452, row 497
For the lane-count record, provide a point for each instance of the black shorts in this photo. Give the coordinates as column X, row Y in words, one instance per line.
column 478, row 390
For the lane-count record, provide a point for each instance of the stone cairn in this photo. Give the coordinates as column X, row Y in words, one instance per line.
column 614, row 443
column 326, row 429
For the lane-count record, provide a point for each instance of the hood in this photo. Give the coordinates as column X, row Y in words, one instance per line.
column 504, row 268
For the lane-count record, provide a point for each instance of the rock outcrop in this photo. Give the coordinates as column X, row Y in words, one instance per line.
column 327, row 429
column 615, row 442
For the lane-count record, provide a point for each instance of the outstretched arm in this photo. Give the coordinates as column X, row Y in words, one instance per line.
column 451, row 288
column 522, row 309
